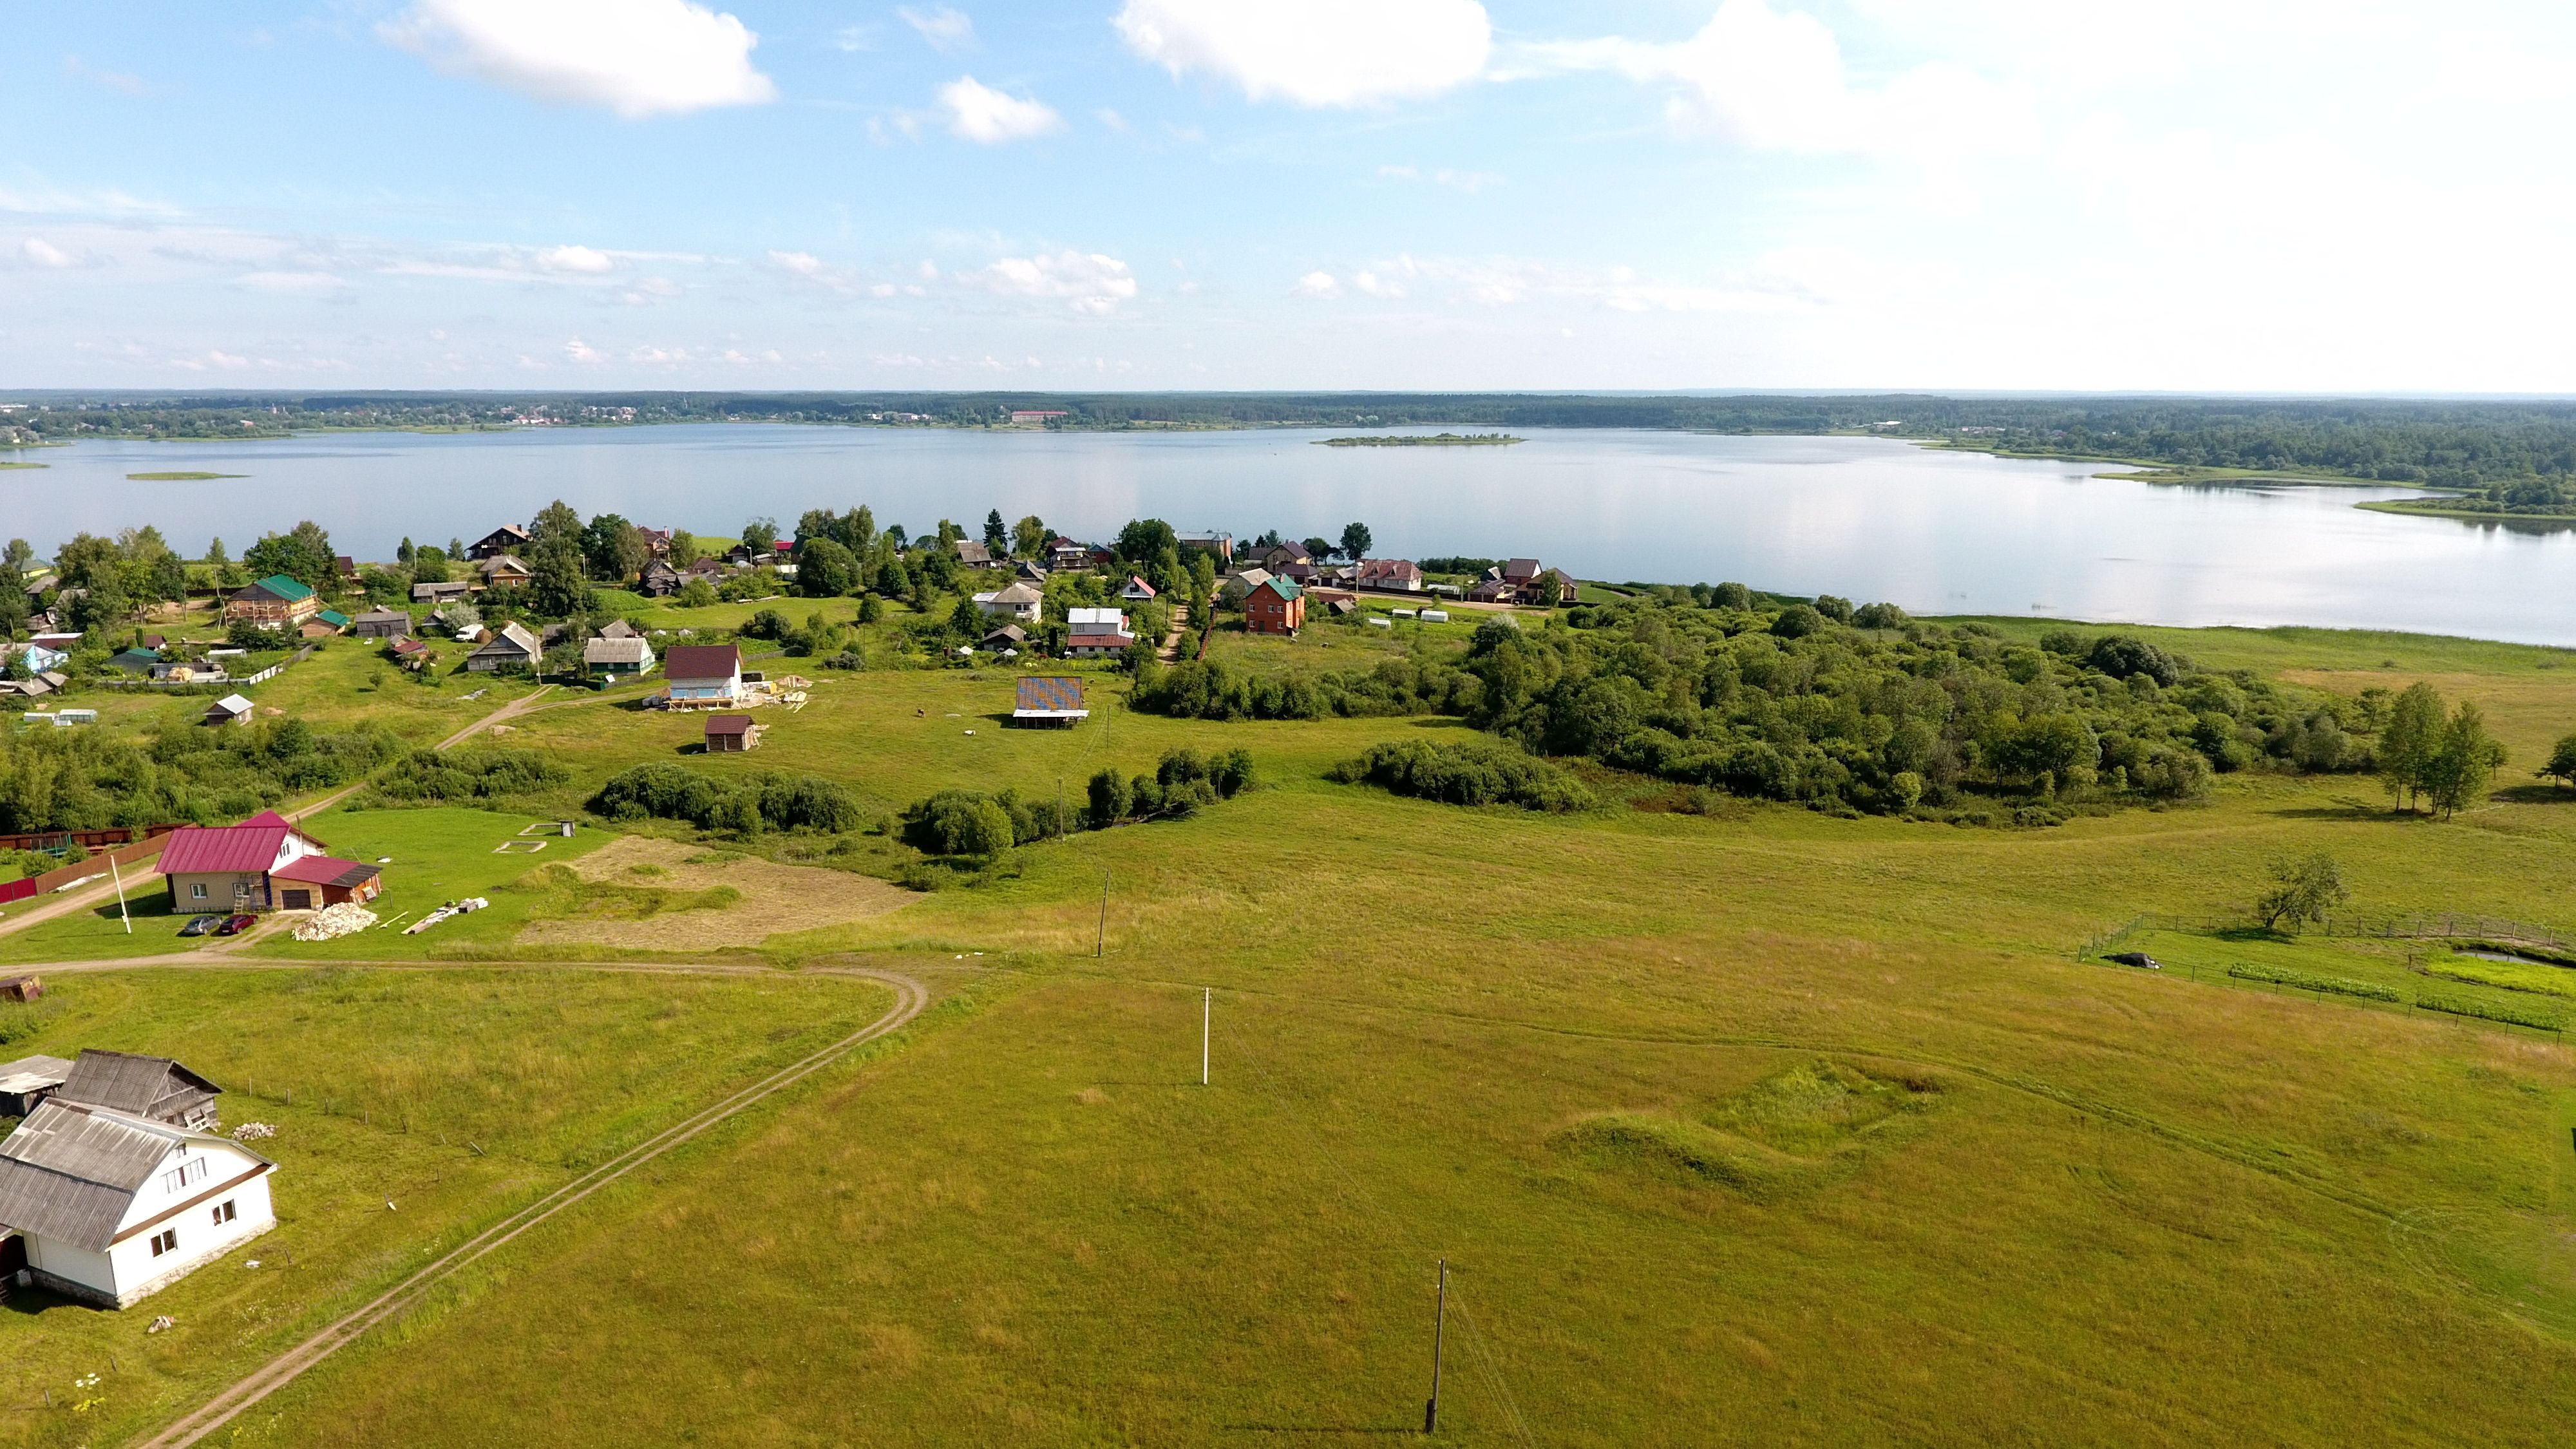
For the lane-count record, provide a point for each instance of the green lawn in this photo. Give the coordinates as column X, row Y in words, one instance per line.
column 1757, row 1126
column 411, row 1107
column 433, row 856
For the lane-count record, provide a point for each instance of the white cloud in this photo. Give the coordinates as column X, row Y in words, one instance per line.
column 1319, row 284
column 45, row 254
column 1316, row 52
column 1113, row 120
column 945, row 29
column 1090, row 282
column 657, row 355
column 637, row 57
column 1377, row 286
column 580, row 351
column 980, row 113
column 1774, row 81
column 574, row 259
column 855, row 38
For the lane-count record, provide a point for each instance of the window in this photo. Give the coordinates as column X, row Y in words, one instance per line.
column 165, row 1241
column 197, row 891
column 192, row 1170
column 224, row 1212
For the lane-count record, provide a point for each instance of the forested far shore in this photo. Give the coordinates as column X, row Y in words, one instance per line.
column 2522, row 452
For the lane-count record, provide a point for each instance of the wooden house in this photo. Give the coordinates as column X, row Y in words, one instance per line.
column 622, row 658
column 324, row 624
column 381, row 624
column 508, row 538
column 659, row 580
column 275, row 602
column 511, row 644
column 503, row 570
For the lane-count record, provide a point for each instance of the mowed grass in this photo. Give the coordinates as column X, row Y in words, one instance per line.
column 1758, row 1127
column 411, row 1108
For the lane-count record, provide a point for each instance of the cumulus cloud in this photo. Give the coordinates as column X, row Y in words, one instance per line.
column 574, row 259
column 1773, row 80
column 980, row 113
column 637, row 57
column 945, row 29
column 1315, row 52
column 1319, row 284
column 1089, row 282
column 580, row 351
column 45, row 254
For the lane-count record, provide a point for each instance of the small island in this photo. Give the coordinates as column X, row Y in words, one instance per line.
column 1436, row 440
column 179, row 477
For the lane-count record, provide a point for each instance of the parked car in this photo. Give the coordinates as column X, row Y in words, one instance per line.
column 200, row 925
column 235, row 925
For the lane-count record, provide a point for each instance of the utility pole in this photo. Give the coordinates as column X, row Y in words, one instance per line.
column 119, row 877
column 1207, row 1013
column 1059, row 807
column 1439, row 1324
column 1102, row 950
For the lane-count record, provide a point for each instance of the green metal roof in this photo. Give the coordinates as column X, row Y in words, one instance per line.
column 280, row 586
column 334, row 618
column 1285, row 588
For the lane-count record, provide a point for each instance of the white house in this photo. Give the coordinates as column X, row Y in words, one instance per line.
column 702, row 674
column 107, row 1206
column 1016, row 603
column 1094, row 632
column 1137, row 590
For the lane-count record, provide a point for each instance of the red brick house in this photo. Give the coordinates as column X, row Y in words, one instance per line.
column 1277, row 606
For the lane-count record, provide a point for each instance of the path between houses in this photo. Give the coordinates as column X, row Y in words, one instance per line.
column 910, row 997
column 1171, row 647
column 83, row 899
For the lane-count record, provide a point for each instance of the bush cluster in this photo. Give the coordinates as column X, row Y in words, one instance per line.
column 1475, row 772
column 89, row 779
column 747, row 805
column 971, row 824
column 428, row 777
column 1213, row 689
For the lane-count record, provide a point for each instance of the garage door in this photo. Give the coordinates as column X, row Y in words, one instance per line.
column 299, row 900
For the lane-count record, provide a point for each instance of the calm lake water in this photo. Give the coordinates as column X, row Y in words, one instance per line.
column 1937, row 532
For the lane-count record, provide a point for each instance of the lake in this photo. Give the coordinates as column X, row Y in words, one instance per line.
column 1934, row 531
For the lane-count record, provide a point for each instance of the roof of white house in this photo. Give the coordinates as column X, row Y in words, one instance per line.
column 234, row 704
column 71, row 1172
column 1098, row 620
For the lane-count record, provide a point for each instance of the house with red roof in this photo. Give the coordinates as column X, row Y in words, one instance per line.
column 266, row 863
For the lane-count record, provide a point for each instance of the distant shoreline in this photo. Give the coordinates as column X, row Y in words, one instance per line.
column 1411, row 440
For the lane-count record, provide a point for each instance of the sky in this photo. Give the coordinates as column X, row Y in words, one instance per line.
column 2190, row 195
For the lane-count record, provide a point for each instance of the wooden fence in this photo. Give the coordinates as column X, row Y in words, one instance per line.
column 96, row 865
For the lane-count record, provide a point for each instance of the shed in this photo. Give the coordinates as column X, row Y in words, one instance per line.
column 154, row 1088
column 1050, row 700
column 1009, row 636
column 731, row 734
column 324, row 624
column 441, row 592
column 381, row 624
column 29, row 1080
column 310, row 882
column 232, row 709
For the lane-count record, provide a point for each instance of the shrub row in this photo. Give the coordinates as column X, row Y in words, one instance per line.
column 2311, row 981
column 1213, row 689
column 971, row 824
column 746, row 806
column 2491, row 1011
column 1477, row 772
column 428, row 777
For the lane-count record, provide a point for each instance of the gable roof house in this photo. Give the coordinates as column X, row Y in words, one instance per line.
column 701, row 674
column 266, row 863
column 1219, row 544
column 508, row 538
column 444, row 592
column 1242, row 582
column 510, row 644
column 504, row 568
column 1402, row 575
column 973, row 554
column 1277, row 607
column 324, row 624
column 1095, row 632
column 109, row 1207
column 1018, row 602
column 659, row 580
column 629, row 656
column 275, row 602
column 345, row 567
column 731, row 734
column 1137, row 590
column 1064, row 553
column 232, row 709
column 1010, row 638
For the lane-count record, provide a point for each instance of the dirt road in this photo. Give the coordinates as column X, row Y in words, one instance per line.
column 910, row 997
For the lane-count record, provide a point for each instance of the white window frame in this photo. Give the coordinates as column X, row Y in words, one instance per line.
column 225, row 1212
column 196, row 890
column 195, row 1169
column 165, row 1241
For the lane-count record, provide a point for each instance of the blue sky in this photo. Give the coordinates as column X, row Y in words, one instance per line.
column 2250, row 195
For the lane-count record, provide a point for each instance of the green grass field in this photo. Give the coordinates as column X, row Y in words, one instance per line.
column 1753, row 1127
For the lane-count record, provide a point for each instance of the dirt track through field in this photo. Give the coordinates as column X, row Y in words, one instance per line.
column 771, row 899
column 910, row 997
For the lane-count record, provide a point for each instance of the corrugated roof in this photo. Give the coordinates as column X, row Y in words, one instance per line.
column 70, row 1172
column 195, row 848
column 1091, row 621
column 513, row 638
column 26, row 1074
column 278, row 586
column 1050, row 692
column 728, row 724
column 334, row 618
column 702, row 661
column 124, row 1082
column 230, row 704
column 323, row 870
column 616, row 651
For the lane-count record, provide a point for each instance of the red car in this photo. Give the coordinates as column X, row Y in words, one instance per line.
column 235, row 925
